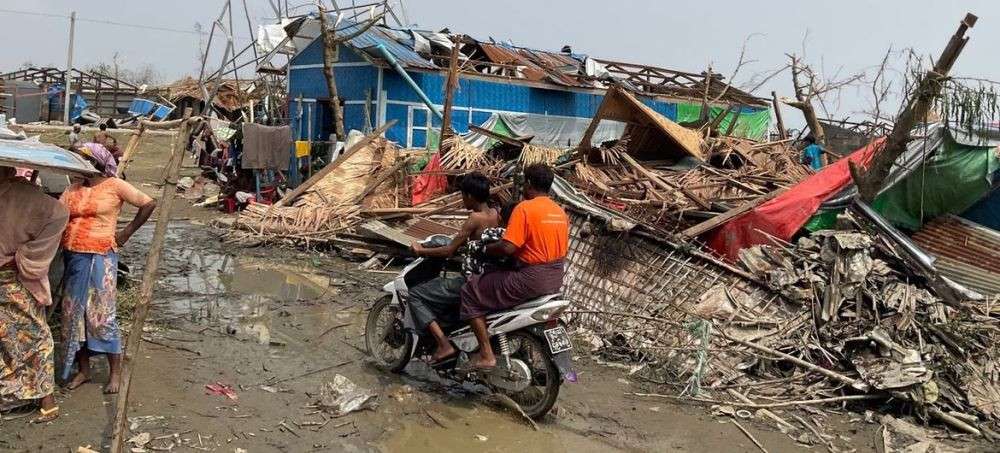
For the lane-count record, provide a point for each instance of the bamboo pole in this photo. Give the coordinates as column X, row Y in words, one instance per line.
column 134, row 341
column 133, row 144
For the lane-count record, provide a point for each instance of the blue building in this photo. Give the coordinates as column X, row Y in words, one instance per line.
column 553, row 95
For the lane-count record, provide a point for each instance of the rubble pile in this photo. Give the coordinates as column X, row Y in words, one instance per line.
column 675, row 195
column 853, row 325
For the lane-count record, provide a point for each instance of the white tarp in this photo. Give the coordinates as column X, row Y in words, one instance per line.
column 551, row 131
column 560, row 131
column 270, row 36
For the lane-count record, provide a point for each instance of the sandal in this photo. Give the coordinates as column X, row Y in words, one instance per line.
column 47, row 415
column 446, row 359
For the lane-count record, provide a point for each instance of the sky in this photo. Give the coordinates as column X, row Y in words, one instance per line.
column 842, row 37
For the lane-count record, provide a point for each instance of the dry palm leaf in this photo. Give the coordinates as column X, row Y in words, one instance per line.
column 532, row 154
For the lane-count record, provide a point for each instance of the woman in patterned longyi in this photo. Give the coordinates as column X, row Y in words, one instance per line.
column 32, row 224
column 91, row 243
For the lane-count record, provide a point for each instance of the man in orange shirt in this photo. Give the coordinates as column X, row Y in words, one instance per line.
column 537, row 236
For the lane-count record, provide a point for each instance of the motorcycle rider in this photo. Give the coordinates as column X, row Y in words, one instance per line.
column 537, row 236
column 438, row 299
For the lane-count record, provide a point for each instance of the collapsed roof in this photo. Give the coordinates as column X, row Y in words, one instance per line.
column 430, row 51
column 232, row 95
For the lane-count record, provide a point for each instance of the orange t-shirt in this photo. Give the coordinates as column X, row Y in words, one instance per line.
column 93, row 214
column 539, row 228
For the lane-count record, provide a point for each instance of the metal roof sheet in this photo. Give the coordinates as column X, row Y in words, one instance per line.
column 43, row 156
column 966, row 252
column 369, row 39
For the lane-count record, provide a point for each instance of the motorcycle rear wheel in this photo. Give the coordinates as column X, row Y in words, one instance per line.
column 541, row 394
column 388, row 342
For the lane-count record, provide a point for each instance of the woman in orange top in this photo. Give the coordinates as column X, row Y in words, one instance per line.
column 91, row 245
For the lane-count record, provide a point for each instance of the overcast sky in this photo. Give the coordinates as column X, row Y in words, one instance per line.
column 845, row 36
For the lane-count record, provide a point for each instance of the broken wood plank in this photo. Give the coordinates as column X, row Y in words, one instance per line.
column 664, row 184
column 711, row 224
column 515, row 142
column 380, row 229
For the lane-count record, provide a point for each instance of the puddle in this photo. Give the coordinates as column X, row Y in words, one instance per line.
column 459, row 429
column 200, row 283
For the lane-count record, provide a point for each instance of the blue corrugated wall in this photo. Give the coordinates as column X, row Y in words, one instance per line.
column 480, row 96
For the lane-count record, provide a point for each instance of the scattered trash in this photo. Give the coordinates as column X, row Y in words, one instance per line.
column 401, row 393
column 221, row 389
column 140, row 440
column 481, row 438
column 341, row 397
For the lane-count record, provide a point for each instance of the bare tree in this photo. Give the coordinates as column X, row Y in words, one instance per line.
column 809, row 88
column 331, row 44
column 918, row 104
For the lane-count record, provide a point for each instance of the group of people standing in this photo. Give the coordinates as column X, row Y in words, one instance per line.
column 83, row 222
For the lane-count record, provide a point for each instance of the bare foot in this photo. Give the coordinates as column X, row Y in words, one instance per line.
column 443, row 353
column 112, row 387
column 477, row 362
column 78, row 380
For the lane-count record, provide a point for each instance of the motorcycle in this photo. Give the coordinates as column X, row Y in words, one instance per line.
column 532, row 345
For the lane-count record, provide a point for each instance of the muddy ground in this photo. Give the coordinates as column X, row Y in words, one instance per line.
column 275, row 324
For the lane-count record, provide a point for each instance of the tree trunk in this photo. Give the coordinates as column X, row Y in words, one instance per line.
column 918, row 103
column 329, row 57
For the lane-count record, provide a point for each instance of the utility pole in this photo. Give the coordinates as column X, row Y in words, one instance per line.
column 69, row 67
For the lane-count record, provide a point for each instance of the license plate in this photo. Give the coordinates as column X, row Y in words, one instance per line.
column 558, row 340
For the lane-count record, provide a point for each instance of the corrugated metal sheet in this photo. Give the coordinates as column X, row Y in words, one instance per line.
column 368, row 40
column 966, row 252
column 42, row 156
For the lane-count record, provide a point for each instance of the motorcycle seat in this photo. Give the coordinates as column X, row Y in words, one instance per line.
column 538, row 302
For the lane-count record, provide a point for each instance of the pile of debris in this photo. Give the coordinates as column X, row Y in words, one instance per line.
column 852, row 323
column 674, row 196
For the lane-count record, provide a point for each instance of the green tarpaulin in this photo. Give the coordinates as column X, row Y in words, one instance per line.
column 749, row 125
column 949, row 182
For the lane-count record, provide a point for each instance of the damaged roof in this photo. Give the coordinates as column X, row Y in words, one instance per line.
column 428, row 50
column 669, row 139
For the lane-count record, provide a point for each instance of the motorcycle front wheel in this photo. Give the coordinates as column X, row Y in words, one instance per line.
column 542, row 391
column 387, row 341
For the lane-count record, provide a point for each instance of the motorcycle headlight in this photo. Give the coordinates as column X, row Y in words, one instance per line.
column 548, row 314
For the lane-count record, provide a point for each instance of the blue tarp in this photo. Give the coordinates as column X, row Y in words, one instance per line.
column 79, row 104
column 986, row 212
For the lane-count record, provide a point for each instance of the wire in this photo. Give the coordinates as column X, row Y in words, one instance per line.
column 109, row 22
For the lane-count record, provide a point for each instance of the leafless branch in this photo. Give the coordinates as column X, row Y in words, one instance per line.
column 740, row 62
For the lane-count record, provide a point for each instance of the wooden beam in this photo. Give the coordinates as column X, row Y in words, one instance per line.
column 302, row 188
column 664, row 184
column 711, row 224
column 449, row 93
column 782, row 133
column 498, row 137
column 133, row 144
column 133, row 343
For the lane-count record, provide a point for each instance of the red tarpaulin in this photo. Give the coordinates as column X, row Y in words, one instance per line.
column 784, row 215
column 429, row 183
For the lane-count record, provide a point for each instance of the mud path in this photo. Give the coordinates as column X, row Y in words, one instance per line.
column 276, row 324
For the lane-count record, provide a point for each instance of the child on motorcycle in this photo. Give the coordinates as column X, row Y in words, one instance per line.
column 438, row 299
